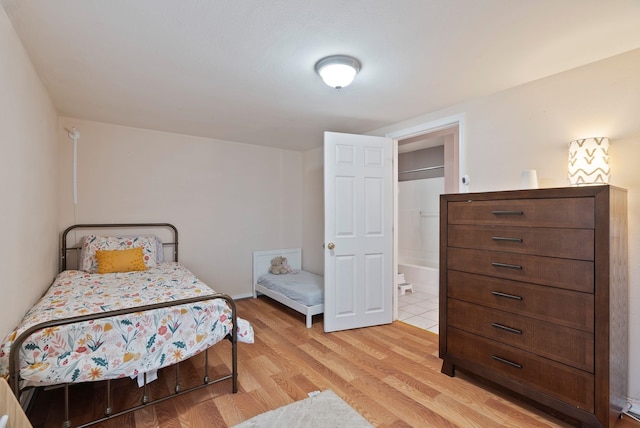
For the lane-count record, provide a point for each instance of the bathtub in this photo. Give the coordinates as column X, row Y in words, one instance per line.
column 423, row 278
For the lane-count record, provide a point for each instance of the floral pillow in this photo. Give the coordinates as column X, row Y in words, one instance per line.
column 93, row 243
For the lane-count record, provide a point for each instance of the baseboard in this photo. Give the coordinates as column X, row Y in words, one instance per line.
column 242, row 296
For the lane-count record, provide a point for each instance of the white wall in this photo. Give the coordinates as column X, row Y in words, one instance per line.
column 28, row 189
column 419, row 221
column 227, row 199
column 313, row 212
column 529, row 127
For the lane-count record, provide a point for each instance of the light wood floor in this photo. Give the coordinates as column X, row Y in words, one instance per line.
column 390, row 374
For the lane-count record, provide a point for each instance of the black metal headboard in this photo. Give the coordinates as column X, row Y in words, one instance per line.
column 65, row 248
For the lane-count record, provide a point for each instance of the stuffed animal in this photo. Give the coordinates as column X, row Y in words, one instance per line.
column 286, row 266
column 279, row 266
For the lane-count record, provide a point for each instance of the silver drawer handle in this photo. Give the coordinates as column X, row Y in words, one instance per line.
column 502, row 360
column 506, row 265
column 508, row 296
column 500, row 212
column 503, row 238
column 504, row 327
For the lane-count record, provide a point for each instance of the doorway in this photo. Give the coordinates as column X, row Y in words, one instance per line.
column 428, row 164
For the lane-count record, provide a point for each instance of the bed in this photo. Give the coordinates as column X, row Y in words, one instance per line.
column 301, row 291
column 126, row 311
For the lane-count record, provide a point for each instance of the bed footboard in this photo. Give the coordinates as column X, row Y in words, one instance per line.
column 14, row 372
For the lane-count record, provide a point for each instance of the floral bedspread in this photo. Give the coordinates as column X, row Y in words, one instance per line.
column 126, row 345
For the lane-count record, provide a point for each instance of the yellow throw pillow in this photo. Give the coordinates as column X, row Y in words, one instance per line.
column 110, row 261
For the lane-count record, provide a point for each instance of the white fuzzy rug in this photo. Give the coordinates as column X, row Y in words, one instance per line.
column 324, row 410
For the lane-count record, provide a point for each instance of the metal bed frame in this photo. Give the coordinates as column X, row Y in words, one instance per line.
column 14, row 358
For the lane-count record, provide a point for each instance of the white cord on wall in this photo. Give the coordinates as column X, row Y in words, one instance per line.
column 75, row 135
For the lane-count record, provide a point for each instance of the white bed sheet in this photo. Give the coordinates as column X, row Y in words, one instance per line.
column 304, row 287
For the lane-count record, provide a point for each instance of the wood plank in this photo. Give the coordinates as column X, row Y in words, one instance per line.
column 390, row 374
column 10, row 406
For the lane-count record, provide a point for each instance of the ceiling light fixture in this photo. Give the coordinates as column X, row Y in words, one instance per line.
column 338, row 71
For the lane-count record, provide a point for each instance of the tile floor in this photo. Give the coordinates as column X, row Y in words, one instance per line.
column 419, row 309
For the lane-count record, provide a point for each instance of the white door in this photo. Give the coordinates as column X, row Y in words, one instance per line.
column 358, row 211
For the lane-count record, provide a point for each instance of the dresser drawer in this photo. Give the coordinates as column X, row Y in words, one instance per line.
column 558, row 380
column 561, row 212
column 564, row 273
column 550, row 242
column 555, row 305
column 566, row 345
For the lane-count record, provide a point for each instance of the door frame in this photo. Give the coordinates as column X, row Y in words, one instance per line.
column 458, row 161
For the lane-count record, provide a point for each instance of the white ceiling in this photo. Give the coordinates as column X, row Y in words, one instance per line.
column 243, row 70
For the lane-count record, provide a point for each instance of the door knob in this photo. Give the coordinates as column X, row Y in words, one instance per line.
column 331, row 246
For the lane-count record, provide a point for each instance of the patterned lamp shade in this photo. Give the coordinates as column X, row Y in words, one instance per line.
column 589, row 161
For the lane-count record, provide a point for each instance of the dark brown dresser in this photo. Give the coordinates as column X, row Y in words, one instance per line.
column 533, row 295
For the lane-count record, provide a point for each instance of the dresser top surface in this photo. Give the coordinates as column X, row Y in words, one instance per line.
column 554, row 192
